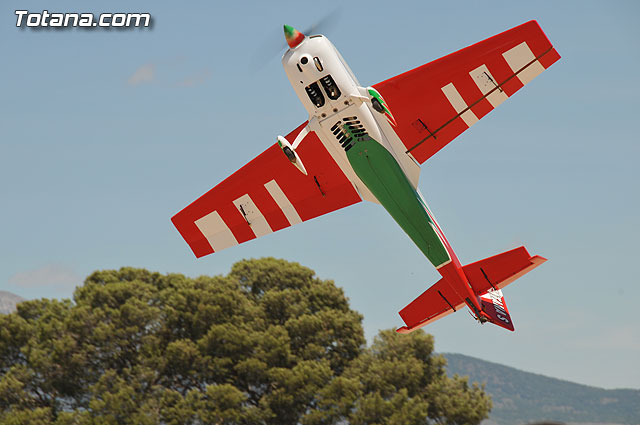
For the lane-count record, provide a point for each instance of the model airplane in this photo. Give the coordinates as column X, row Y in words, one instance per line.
column 368, row 143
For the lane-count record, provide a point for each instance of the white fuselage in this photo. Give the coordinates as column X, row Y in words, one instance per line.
column 332, row 96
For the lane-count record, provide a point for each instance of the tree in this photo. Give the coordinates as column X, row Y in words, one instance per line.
column 269, row 343
column 398, row 380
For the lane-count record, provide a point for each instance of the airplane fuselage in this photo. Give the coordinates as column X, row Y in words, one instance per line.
column 356, row 128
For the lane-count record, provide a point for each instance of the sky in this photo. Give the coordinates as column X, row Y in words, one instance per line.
column 106, row 134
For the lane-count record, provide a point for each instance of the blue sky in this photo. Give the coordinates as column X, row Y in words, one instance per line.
column 104, row 135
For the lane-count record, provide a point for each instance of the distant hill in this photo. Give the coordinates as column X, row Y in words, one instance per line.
column 522, row 397
column 8, row 302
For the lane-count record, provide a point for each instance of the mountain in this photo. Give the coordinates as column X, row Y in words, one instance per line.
column 8, row 302
column 521, row 397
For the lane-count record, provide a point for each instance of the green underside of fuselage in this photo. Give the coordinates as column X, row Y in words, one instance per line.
column 380, row 172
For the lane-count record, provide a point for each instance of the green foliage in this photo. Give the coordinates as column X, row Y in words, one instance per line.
column 398, row 380
column 267, row 344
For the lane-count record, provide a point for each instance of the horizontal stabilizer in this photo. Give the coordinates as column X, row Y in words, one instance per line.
column 500, row 270
column 433, row 304
column 486, row 277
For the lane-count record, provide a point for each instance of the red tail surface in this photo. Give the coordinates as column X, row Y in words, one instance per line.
column 493, row 305
column 487, row 277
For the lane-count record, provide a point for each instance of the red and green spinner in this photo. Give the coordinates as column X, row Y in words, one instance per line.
column 293, row 36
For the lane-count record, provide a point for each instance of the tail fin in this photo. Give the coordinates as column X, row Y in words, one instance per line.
column 493, row 304
column 487, row 277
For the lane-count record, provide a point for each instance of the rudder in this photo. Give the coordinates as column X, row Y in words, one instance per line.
column 494, row 305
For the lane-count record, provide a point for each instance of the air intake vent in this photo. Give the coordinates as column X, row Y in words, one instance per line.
column 348, row 139
column 315, row 95
column 357, row 129
column 330, row 87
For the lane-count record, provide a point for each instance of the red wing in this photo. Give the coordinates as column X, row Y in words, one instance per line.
column 436, row 102
column 266, row 195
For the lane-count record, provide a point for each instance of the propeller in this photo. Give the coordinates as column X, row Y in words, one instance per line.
column 274, row 43
column 324, row 23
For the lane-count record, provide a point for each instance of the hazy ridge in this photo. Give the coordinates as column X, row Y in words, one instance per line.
column 8, row 302
column 522, row 397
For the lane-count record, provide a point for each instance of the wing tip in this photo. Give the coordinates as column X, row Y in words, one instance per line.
column 409, row 329
column 537, row 260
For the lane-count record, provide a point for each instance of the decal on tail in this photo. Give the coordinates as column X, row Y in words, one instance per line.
column 494, row 306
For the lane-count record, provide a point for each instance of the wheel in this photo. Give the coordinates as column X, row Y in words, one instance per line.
column 377, row 105
column 289, row 153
